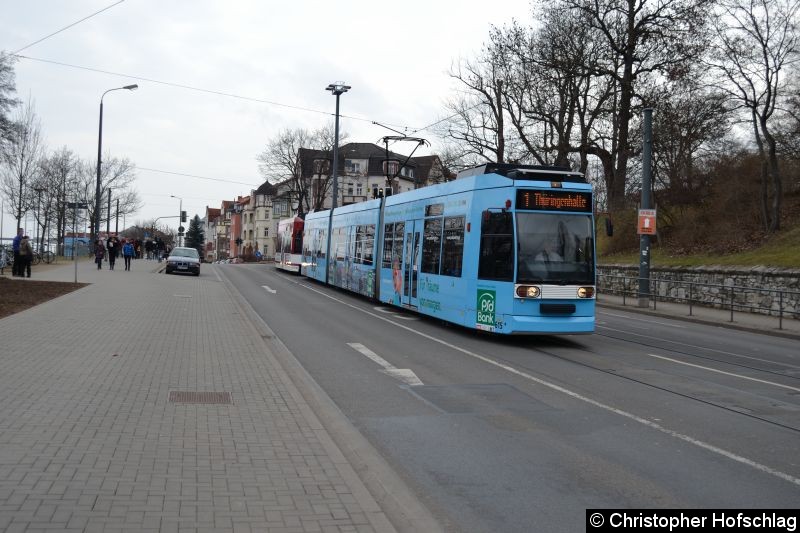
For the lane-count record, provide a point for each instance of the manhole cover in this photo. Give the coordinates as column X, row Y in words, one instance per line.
column 200, row 397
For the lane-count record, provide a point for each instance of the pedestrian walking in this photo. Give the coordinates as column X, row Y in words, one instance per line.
column 25, row 256
column 113, row 249
column 99, row 253
column 127, row 253
column 15, row 268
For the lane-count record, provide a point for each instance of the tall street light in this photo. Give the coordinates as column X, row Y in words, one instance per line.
column 337, row 88
column 108, row 213
column 180, row 217
column 96, row 225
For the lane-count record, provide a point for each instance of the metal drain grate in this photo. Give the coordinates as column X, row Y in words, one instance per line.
column 200, row 397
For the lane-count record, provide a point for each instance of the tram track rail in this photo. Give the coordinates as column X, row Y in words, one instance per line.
column 516, row 363
column 617, row 374
column 522, row 344
column 786, row 366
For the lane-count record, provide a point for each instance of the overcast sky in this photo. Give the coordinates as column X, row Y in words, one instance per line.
column 274, row 57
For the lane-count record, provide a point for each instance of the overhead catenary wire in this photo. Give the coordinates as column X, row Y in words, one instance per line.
column 200, row 89
column 66, row 27
column 249, row 183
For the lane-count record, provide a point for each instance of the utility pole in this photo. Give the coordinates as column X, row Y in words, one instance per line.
column 644, row 238
column 108, row 212
column 337, row 89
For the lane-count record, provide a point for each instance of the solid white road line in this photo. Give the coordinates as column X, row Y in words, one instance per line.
column 691, row 440
column 269, row 290
column 650, row 337
column 723, row 372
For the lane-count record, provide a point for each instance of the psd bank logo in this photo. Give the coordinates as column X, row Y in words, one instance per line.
column 485, row 309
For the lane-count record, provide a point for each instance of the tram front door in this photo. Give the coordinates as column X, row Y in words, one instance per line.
column 412, row 255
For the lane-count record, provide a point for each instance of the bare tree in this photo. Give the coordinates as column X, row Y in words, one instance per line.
column 757, row 42
column 289, row 159
column 545, row 66
column 56, row 172
column 22, row 161
column 118, row 175
column 477, row 123
column 641, row 38
column 693, row 121
column 7, row 102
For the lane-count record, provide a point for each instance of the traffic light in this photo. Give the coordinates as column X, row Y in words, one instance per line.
column 183, row 216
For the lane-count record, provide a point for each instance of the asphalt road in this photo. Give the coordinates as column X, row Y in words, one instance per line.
column 521, row 434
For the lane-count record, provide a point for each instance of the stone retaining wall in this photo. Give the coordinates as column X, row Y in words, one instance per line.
column 758, row 289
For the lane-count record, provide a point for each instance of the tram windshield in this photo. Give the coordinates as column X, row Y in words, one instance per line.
column 555, row 249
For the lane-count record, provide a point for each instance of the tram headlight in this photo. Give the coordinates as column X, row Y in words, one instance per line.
column 527, row 291
column 585, row 292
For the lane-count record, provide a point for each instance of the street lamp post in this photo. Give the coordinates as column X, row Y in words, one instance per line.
column 337, row 89
column 96, row 225
column 180, row 217
column 39, row 242
column 108, row 213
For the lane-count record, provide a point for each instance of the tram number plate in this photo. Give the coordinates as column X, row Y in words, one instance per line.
column 485, row 310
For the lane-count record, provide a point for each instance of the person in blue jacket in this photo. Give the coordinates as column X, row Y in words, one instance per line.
column 128, row 252
column 16, row 268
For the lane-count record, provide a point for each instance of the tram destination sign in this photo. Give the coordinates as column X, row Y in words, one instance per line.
column 539, row 200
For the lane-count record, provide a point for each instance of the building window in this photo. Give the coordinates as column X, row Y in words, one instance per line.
column 352, row 167
column 350, row 189
column 280, row 209
column 358, row 190
column 321, row 166
column 266, row 232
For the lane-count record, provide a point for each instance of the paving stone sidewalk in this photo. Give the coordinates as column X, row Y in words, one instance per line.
column 91, row 441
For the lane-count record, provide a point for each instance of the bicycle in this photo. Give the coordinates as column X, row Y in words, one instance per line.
column 48, row 257
column 6, row 258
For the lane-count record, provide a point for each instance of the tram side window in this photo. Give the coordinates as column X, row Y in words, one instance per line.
column 297, row 243
column 338, row 244
column 321, row 243
column 358, row 253
column 497, row 247
column 393, row 244
column 432, row 246
column 349, row 236
column 369, row 244
column 307, row 244
column 388, row 240
column 453, row 246
column 365, row 241
column 286, row 238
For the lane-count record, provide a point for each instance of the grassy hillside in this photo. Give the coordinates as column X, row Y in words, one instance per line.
column 780, row 250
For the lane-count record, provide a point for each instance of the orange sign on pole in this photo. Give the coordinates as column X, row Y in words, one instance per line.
column 647, row 222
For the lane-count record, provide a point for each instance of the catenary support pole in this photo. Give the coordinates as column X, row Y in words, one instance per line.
column 644, row 239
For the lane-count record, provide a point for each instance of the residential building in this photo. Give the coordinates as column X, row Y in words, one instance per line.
column 210, row 233
column 362, row 171
column 258, row 223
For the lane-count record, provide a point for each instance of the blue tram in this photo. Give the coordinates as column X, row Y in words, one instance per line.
column 504, row 248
